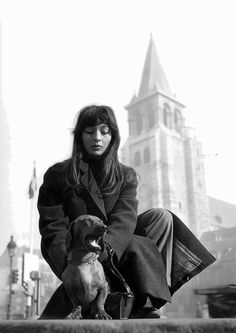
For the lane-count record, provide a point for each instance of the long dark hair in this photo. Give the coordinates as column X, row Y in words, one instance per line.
column 112, row 175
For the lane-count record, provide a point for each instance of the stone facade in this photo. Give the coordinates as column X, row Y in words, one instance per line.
column 164, row 151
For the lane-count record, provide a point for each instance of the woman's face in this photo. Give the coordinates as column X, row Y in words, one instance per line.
column 96, row 139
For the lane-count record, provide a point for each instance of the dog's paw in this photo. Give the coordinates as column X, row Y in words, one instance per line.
column 74, row 314
column 102, row 315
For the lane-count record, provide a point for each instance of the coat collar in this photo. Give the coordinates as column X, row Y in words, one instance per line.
column 88, row 180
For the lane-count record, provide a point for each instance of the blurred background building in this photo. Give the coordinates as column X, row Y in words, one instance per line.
column 164, row 151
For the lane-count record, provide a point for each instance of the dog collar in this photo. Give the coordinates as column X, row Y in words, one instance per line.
column 82, row 261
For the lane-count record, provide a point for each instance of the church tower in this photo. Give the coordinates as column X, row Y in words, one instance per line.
column 164, row 152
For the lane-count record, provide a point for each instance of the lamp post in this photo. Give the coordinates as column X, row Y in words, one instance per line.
column 11, row 248
column 35, row 276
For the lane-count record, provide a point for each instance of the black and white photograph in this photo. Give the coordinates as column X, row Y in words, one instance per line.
column 117, row 165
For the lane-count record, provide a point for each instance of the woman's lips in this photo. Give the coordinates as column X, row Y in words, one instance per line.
column 96, row 147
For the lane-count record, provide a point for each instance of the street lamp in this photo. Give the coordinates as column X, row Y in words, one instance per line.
column 11, row 248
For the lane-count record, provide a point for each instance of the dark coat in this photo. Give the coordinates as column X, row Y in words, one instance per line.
column 59, row 205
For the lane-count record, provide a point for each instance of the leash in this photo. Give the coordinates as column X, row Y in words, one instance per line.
column 115, row 271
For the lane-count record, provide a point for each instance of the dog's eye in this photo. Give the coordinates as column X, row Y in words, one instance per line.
column 87, row 222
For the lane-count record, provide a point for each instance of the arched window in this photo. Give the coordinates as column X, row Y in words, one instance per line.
column 177, row 117
column 137, row 158
column 167, row 116
column 146, row 155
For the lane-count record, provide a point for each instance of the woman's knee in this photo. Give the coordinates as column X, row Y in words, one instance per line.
column 139, row 243
column 164, row 214
column 167, row 221
column 154, row 223
column 160, row 214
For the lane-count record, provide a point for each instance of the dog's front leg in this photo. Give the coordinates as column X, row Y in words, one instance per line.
column 98, row 310
column 75, row 313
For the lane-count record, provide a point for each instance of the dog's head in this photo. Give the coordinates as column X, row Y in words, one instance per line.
column 86, row 231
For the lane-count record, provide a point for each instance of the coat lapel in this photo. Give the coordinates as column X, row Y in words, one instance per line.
column 88, row 180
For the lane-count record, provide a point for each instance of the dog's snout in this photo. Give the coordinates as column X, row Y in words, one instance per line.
column 102, row 226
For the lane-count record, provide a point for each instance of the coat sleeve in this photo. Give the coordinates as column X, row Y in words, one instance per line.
column 53, row 223
column 122, row 219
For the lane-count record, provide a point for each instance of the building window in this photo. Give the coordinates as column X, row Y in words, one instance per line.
column 146, row 155
column 137, row 159
column 177, row 118
column 167, row 121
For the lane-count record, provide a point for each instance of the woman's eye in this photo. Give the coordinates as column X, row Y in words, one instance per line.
column 105, row 130
column 89, row 131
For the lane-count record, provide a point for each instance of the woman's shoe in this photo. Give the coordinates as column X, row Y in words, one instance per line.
column 146, row 312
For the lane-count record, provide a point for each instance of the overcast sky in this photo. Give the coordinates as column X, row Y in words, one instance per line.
column 58, row 56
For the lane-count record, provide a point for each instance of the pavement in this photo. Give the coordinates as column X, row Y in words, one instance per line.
column 214, row 325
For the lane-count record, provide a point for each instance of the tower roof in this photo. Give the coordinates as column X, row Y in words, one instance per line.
column 153, row 76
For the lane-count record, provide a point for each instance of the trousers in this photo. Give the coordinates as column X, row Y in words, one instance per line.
column 147, row 261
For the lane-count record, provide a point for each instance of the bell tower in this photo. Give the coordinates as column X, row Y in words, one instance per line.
column 164, row 152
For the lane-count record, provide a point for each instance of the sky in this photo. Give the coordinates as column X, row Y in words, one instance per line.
column 58, row 56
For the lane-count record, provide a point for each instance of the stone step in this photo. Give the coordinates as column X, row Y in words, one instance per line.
column 222, row 325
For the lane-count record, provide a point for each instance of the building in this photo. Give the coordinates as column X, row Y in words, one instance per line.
column 222, row 214
column 164, row 151
column 6, row 222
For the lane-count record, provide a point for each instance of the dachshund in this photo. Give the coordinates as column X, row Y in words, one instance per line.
column 83, row 278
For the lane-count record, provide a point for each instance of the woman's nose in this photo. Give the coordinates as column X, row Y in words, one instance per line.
column 97, row 136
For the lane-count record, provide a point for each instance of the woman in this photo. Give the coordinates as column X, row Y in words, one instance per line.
column 155, row 251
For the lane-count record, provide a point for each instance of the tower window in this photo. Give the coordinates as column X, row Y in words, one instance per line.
column 146, row 155
column 177, row 117
column 167, row 121
column 137, row 158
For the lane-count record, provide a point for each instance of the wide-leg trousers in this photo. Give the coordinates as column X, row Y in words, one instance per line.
column 147, row 261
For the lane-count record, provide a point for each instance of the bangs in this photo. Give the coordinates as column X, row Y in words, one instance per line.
column 93, row 120
column 94, row 116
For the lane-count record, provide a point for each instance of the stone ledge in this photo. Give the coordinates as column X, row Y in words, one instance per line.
column 222, row 325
